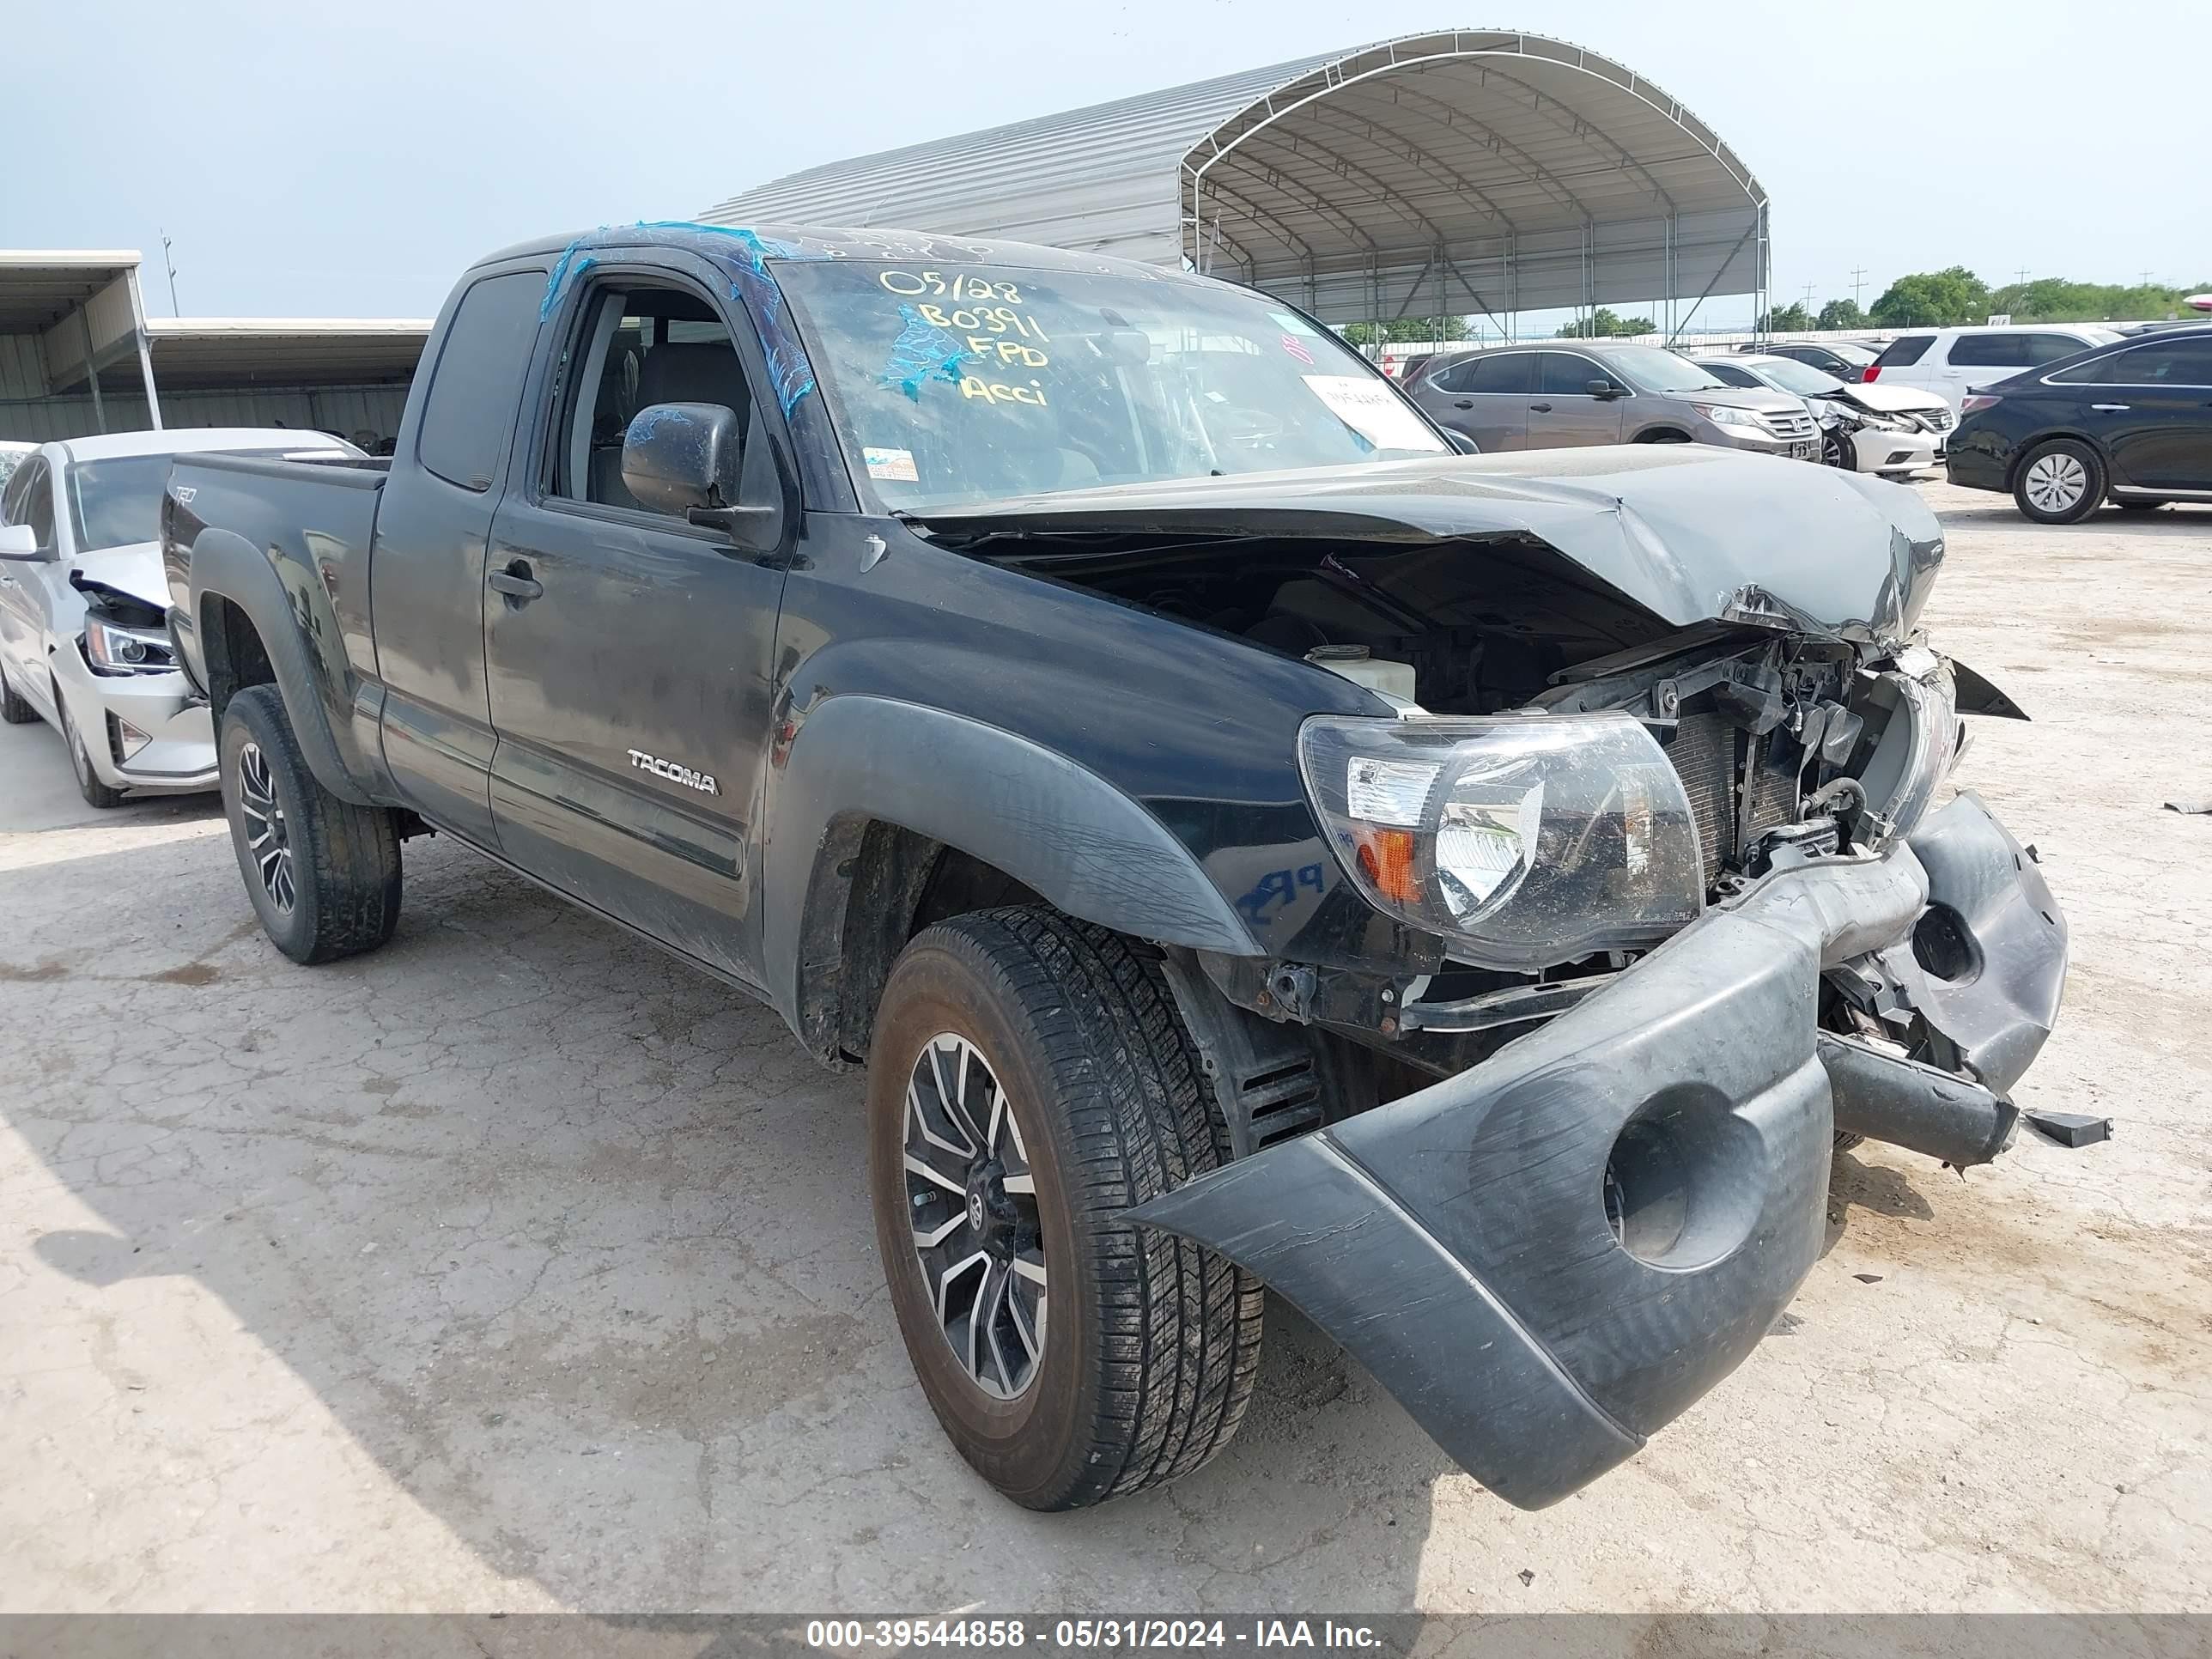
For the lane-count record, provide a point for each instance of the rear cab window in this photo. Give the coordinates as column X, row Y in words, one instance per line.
column 476, row 385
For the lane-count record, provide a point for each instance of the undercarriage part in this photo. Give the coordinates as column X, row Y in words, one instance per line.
column 1262, row 1073
column 2070, row 1129
column 1885, row 1097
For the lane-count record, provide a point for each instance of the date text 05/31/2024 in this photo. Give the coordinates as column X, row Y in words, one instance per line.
column 1086, row 1634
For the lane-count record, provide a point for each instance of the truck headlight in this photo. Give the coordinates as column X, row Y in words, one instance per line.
column 114, row 650
column 1523, row 839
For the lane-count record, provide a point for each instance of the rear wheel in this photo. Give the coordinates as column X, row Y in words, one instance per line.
column 1029, row 1082
column 323, row 873
column 88, row 784
column 2061, row 482
column 13, row 709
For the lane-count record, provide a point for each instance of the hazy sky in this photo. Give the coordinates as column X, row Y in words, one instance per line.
column 313, row 159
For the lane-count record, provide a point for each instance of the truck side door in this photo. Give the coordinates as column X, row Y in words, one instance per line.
column 1563, row 414
column 427, row 586
column 630, row 652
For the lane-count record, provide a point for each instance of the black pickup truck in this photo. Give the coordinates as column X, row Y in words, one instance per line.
column 1245, row 841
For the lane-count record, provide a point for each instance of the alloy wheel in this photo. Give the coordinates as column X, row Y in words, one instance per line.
column 268, row 836
column 973, row 1204
column 2054, row 482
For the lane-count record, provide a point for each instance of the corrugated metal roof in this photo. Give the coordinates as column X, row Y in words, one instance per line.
column 1455, row 171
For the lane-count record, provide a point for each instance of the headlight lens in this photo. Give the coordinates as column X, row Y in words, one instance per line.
column 1524, row 839
column 1727, row 414
column 114, row 650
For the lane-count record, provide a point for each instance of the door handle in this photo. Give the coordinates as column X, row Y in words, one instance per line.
column 1541, row 408
column 1463, row 402
column 515, row 581
column 2111, row 409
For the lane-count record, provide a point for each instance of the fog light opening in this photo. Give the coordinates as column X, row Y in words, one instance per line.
column 1942, row 945
column 1682, row 1183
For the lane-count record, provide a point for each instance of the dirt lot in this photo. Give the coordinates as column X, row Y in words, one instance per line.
column 519, row 1268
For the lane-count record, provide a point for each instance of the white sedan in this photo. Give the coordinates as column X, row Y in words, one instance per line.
column 1892, row 430
column 84, row 641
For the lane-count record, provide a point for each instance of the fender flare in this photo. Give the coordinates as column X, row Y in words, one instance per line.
column 226, row 566
column 1059, row 828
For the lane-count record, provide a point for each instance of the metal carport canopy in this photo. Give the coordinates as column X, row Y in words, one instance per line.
column 1436, row 173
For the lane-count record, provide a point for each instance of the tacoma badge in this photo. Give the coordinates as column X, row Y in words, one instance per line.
column 702, row 782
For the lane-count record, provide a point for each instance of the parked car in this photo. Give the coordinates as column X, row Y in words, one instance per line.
column 1244, row 841
column 1555, row 396
column 2129, row 422
column 1949, row 361
column 84, row 645
column 12, row 452
column 1844, row 359
column 1892, row 431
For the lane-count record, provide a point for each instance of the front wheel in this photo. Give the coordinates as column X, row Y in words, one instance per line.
column 1030, row 1082
column 2062, row 481
column 323, row 873
column 13, row 709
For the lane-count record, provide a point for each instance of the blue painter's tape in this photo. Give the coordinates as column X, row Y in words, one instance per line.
column 922, row 351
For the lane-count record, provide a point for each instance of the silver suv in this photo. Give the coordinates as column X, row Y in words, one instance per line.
column 1555, row 396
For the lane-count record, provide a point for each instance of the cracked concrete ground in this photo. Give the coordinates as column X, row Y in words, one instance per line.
column 518, row 1266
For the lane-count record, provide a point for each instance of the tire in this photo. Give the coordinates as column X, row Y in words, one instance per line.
column 1665, row 435
column 2061, row 482
column 329, row 887
column 1144, row 1367
column 1837, row 450
column 88, row 784
column 13, row 709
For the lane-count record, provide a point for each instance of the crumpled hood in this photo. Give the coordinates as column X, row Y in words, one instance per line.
column 136, row 569
column 1692, row 533
column 1889, row 399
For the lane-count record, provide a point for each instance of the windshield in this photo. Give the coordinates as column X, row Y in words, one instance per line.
column 1649, row 369
column 1803, row 379
column 964, row 383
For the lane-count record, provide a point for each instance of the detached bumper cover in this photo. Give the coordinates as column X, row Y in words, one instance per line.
column 1457, row 1242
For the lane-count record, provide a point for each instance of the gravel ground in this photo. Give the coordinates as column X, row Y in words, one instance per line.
column 519, row 1268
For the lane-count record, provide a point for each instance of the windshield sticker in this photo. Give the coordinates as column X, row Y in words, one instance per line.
column 1295, row 324
column 1292, row 346
column 1373, row 410
column 896, row 465
column 923, row 351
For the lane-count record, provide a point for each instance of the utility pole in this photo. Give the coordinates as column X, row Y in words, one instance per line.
column 2020, row 275
column 170, row 265
column 1858, row 282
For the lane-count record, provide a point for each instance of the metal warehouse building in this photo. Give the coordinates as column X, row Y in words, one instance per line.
column 1437, row 175
column 78, row 354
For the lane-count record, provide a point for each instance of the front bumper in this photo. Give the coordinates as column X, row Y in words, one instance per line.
column 1884, row 450
column 1550, row 1256
column 181, row 757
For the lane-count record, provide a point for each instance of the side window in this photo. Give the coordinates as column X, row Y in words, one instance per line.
column 1906, row 349
column 1510, row 371
column 635, row 346
column 19, row 488
column 478, row 381
column 1990, row 350
column 1566, row 375
column 1729, row 373
column 1455, row 377
column 36, row 506
column 2169, row 362
column 2048, row 348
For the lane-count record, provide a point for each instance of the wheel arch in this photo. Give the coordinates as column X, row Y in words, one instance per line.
column 2027, row 447
column 871, row 846
column 249, row 633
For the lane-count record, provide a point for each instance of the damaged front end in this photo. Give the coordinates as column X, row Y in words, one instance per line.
column 1669, row 902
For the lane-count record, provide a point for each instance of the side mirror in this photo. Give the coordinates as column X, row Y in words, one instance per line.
column 19, row 541
column 686, row 459
column 1602, row 389
column 1461, row 442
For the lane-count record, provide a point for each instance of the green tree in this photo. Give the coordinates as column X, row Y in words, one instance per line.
column 1603, row 325
column 1936, row 299
column 1792, row 318
column 1407, row 330
column 2056, row 299
column 1841, row 313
